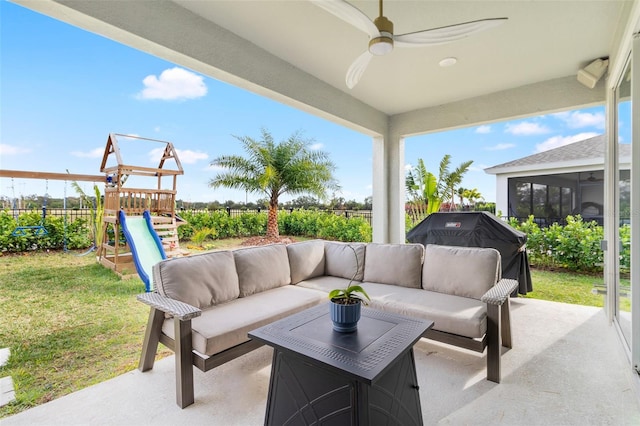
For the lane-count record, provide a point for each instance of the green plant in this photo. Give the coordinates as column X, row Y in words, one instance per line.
column 96, row 213
column 349, row 295
column 428, row 192
column 290, row 167
column 202, row 234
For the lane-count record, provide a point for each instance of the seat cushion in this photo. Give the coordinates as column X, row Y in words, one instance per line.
column 397, row 264
column 460, row 271
column 325, row 284
column 226, row 325
column 306, row 260
column 201, row 280
column 452, row 314
column 262, row 268
column 341, row 261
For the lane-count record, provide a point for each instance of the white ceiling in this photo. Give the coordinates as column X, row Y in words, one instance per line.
column 297, row 53
column 542, row 40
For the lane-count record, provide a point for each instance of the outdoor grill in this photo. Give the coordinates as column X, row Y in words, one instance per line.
column 478, row 229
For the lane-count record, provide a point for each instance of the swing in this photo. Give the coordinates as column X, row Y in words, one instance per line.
column 37, row 230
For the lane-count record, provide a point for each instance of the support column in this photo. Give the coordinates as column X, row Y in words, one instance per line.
column 388, row 190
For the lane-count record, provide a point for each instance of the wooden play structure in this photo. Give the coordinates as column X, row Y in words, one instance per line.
column 114, row 252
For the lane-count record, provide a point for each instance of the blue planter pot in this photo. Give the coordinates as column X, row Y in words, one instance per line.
column 344, row 317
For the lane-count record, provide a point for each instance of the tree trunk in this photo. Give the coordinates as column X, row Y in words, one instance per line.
column 272, row 220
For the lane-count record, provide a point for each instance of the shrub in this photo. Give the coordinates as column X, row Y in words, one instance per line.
column 575, row 246
column 76, row 235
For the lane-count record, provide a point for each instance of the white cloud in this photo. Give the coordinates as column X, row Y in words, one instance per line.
column 500, row 147
column 558, row 141
column 408, row 167
column 13, row 150
column 316, row 146
column 94, row 153
column 526, row 128
column 577, row 119
column 186, row 156
column 483, row 129
column 190, row 157
column 173, row 84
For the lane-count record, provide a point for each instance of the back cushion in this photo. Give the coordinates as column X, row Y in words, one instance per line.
column 340, row 260
column 262, row 268
column 461, row 271
column 200, row 280
column 397, row 264
column 306, row 260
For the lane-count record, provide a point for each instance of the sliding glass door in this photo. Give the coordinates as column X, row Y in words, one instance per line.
column 623, row 299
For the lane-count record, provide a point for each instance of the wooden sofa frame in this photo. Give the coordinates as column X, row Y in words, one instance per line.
column 498, row 335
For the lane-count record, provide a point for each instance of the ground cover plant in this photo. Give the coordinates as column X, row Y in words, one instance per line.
column 69, row 323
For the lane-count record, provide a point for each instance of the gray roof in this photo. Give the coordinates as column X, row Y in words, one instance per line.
column 592, row 148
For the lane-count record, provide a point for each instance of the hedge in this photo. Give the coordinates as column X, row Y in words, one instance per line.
column 575, row 246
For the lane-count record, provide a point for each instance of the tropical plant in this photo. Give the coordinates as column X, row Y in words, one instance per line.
column 461, row 192
column 349, row 295
column 200, row 235
column 453, row 179
column 97, row 213
column 473, row 195
column 290, row 166
column 427, row 191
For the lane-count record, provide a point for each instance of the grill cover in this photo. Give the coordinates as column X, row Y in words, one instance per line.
column 478, row 229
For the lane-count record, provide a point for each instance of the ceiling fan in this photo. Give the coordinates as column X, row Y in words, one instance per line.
column 382, row 40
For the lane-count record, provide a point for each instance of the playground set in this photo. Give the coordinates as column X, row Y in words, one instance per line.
column 145, row 216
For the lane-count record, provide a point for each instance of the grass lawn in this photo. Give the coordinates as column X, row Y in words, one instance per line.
column 71, row 323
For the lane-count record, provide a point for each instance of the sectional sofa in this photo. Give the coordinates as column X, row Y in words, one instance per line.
column 204, row 305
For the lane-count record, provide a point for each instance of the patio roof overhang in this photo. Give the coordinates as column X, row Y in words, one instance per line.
column 296, row 53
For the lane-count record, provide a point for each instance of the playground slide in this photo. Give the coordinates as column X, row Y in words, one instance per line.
column 145, row 244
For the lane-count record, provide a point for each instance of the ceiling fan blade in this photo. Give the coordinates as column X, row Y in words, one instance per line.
column 350, row 14
column 446, row 34
column 357, row 69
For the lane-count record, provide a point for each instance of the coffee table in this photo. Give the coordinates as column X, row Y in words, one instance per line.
column 320, row 376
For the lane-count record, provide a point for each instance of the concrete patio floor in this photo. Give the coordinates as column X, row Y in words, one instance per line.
column 567, row 367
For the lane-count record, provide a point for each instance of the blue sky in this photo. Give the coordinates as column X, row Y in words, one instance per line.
column 63, row 90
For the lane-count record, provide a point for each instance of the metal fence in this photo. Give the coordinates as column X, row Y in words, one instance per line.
column 72, row 214
column 364, row 214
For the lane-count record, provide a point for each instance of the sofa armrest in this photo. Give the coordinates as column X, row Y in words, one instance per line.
column 497, row 294
column 182, row 311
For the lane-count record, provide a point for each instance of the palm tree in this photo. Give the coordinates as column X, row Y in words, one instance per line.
column 473, row 195
column 453, row 179
column 426, row 189
column 461, row 195
column 270, row 168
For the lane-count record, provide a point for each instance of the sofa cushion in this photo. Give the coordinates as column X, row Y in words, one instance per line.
column 306, row 260
column 325, row 284
column 452, row 314
column 397, row 264
column 461, row 271
column 226, row 325
column 340, row 260
column 201, row 280
column 262, row 268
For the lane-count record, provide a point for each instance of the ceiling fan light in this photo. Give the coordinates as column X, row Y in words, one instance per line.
column 448, row 62
column 381, row 45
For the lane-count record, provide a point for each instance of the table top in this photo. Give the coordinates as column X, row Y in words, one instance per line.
column 366, row 353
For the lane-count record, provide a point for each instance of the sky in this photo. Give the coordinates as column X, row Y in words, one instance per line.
column 63, row 90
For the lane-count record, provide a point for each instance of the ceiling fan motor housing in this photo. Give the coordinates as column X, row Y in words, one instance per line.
column 384, row 43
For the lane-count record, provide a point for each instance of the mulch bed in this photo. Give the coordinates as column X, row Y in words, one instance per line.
column 261, row 241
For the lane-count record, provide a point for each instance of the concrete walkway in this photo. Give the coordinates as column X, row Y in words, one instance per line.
column 567, row 367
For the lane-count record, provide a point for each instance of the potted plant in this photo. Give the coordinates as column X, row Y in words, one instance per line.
column 345, row 304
